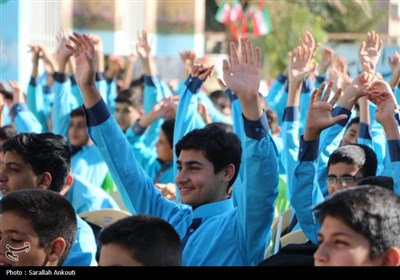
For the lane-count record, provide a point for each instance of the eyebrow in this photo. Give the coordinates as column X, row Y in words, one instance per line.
column 187, row 163
column 10, row 163
column 12, row 230
column 336, row 234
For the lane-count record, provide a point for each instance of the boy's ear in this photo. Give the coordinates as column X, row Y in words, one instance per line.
column 44, row 180
column 68, row 183
column 57, row 248
column 392, row 257
column 229, row 172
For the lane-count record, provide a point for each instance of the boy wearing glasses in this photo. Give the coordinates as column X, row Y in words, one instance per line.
column 348, row 164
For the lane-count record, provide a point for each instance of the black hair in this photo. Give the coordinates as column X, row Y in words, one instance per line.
column 356, row 154
column 168, row 129
column 221, row 148
column 45, row 152
column 371, row 211
column 49, row 213
column 150, row 240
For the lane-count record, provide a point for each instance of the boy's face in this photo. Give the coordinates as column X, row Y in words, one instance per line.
column 16, row 174
column 164, row 150
column 125, row 114
column 114, row 254
column 350, row 135
column 77, row 131
column 342, row 171
column 339, row 245
column 223, row 105
column 19, row 243
column 196, row 180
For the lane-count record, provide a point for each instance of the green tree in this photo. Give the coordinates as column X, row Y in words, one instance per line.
column 291, row 18
column 347, row 16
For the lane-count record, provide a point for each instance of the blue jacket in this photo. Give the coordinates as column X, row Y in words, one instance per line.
column 231, row 233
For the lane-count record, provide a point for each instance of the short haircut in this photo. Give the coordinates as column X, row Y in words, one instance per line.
column 221, row 148
column 138, row 82
column 45, row 152
column 150, row 240
column 132, row 97
column 168, row 129
column 355, row 120
column 49, row 214
column 7, row 132
column 216, row 94
column 356, row 154
column 77, row 112
column 371, row 211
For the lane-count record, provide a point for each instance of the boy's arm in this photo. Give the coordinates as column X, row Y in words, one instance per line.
column 254, row 198
column 135, row 186
column 304, row 188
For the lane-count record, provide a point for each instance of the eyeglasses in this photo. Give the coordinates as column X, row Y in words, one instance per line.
column 345, row 180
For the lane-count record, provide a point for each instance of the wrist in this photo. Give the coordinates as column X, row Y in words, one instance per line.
column 311, row 134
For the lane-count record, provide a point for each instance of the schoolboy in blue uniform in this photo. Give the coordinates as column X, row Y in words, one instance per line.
column 231, row 231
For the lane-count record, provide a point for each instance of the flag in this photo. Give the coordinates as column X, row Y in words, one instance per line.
column 261, row 22
column 223, row 13
column 236, row 11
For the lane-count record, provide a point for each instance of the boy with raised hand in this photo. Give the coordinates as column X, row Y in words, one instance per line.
column 215, row 230
column 387, row 114
column 37, row 228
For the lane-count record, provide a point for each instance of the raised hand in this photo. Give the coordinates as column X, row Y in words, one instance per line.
column 188, row 57
column 18, row 94
column 378, row 92
column 243, row 75
column 356, row 89
column 326, row 60
column 143, row 46
column 394, row 62
column 340, row 64
column 85, row 57
column 319, row 113
column 202, row 72
column 395, row 66
column 63, row 40
column 301, row 64
column 308, row 41
column 370, row 50
column 381, row 94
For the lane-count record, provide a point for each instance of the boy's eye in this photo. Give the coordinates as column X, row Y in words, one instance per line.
column 16, row 240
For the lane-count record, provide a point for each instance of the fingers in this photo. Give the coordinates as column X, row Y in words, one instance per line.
column 339, row 118
column 335, row 97
column 233, row 54
column 222, row 85
column 249, row 51
column 316, row 95
column 243, row 50
column 327, row 92
column 225, row 67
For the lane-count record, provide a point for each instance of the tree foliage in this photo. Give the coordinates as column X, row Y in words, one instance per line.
column 291, row 18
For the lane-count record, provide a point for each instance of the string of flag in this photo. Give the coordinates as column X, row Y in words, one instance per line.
column 255, row 19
